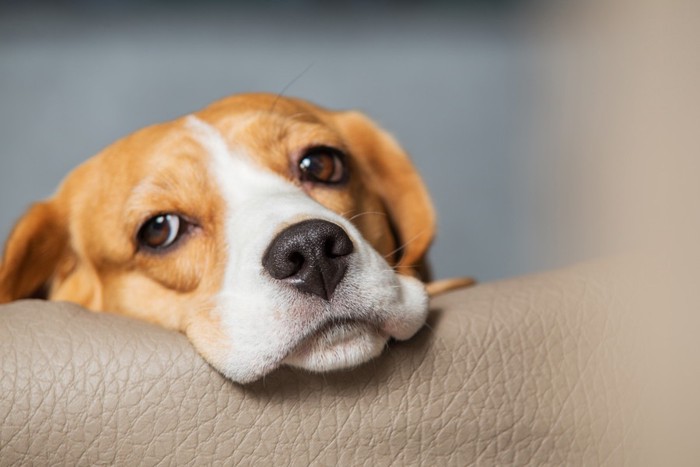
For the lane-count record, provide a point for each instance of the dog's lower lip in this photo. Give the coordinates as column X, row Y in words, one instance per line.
column 327, row 326
column 331, row 323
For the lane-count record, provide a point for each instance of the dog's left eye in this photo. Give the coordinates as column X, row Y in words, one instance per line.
column 323, row 164
column 161, row 231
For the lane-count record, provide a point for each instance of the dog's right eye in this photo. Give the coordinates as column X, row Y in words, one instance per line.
column 161, row 231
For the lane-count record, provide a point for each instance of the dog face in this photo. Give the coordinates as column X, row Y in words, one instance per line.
column 268, row 230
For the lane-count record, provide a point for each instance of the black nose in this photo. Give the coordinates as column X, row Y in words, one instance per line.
column 311, row 256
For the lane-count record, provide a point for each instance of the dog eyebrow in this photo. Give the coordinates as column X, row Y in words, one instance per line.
column 151, row 196
column 148, row 189
column 166, row 191
column 303, row 117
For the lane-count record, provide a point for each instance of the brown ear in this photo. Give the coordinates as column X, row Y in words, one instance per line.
column 389, row 170
column 33, row 250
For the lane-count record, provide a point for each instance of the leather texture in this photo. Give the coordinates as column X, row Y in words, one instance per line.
column 539, row 370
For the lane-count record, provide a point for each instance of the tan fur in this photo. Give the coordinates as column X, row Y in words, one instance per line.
column 81, row 243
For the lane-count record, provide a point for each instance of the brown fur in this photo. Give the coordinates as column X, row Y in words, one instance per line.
column 80, row 244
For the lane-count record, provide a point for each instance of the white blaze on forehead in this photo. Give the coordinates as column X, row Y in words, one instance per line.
column 237, row 173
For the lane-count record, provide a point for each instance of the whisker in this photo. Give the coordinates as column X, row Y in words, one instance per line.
column 413, row 239
column 296, row 78
column 365, row 213
column 388, row 271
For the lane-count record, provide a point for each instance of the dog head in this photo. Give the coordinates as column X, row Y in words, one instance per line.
column 270, row 231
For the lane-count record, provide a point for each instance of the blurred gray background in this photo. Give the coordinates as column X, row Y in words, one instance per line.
column 457, row 84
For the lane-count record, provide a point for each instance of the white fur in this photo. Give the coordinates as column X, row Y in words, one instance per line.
column 270, row 323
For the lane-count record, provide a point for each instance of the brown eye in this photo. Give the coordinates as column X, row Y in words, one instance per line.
column 161, row 232
column 323, row 165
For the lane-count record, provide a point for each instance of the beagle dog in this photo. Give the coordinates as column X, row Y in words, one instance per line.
column 269, row 230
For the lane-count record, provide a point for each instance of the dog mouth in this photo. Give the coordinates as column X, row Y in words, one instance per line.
column 338, row 343
column 370, row 308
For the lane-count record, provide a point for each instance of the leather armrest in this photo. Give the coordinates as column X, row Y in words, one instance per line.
column 525, row 371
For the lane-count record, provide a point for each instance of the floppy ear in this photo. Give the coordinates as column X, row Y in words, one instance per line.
column 390, row 172
column 32, row 252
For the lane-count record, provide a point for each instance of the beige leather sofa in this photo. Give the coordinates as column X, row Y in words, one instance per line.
column 539, row 370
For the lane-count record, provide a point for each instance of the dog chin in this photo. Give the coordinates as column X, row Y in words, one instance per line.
column 338, row 344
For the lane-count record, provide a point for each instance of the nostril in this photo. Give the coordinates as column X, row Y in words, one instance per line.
column 329, row 248
column 282, row 264
column 337, row 246
column 296, row 259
